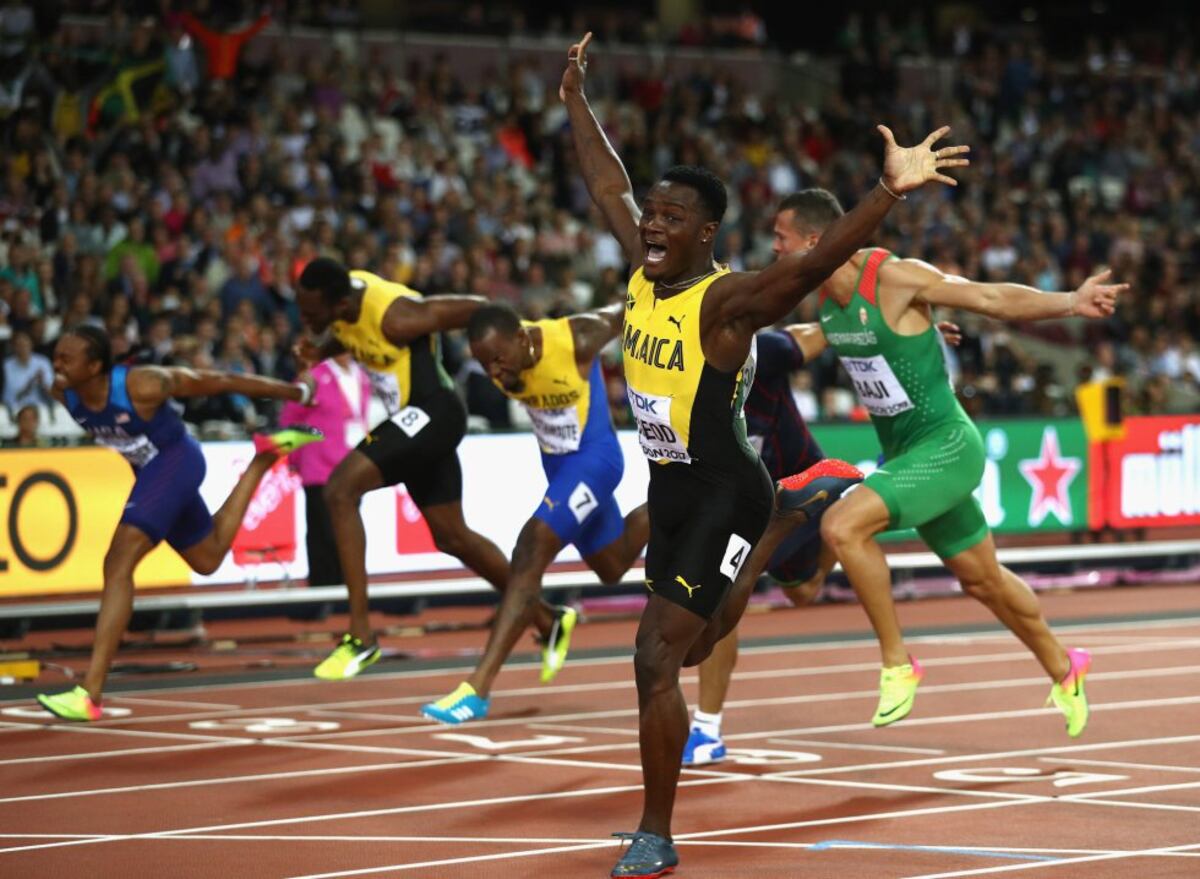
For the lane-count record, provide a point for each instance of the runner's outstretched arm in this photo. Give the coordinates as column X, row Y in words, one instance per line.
column 759, row 299
column 408, row 319
column 150, row 386
column 1010, row 302
column 605, row 176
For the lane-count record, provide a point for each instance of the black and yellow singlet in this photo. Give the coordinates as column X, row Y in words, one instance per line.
column 426, row 420
column 709, row 496
column 687, row 411
column 399, row 375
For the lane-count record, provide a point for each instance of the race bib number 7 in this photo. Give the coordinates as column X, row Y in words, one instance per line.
column 877, row 387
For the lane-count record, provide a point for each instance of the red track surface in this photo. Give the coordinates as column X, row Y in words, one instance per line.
column 315, row 779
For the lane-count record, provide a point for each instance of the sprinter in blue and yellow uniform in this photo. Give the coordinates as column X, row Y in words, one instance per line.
column 393, row 332
column 552, row 368
column 689, row 361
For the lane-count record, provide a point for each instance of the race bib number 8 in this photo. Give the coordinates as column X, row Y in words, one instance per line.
column 877, row 387
column 411, row 420
column 658, row 438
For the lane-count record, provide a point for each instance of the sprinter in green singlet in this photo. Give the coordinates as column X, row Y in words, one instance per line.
column 875, row 312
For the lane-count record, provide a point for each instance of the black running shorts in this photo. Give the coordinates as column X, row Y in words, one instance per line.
column 418, row 446
column 703, row 524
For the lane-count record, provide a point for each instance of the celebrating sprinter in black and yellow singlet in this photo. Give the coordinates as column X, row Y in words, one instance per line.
column 689, row 358
column 392, row 331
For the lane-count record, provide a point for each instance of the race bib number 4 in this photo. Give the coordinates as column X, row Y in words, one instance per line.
column 658, row 438
column 557, row 430
column 877, row 386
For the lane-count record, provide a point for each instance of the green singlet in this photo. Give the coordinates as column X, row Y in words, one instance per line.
column 933, row 453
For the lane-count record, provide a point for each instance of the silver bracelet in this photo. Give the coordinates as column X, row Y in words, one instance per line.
column 889, row 192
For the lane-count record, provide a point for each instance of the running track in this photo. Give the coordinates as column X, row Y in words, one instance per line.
column 303, row 778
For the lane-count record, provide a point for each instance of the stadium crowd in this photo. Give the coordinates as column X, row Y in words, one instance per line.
column 167, row 180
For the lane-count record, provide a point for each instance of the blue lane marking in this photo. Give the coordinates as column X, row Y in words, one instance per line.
column 974, row 852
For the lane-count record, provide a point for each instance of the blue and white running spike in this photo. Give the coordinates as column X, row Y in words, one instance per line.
column 702, row 749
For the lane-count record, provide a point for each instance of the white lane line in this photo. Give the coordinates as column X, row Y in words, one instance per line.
column 909, row 721
column 146, row 700
column 238, row 779
column 1064, row 862
column 456, row 840
column 808, row 699
column 854, row 819
column 125, row 752
column 807, row 647
column 446, row 862
column 1136, row 705
column 586, row 730
column 1140, row 804
column 59, row 836
column 1130, row 791
column 998, row 755
column 418, row 725
column 140, row 733
column 370, row 749
column 371, row 813
column 1123, row 764
column 848, row 746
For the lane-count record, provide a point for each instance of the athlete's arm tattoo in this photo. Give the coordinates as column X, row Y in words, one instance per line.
column 607, row 182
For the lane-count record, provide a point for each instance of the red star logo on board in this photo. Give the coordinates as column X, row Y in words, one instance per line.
column 1050, row 476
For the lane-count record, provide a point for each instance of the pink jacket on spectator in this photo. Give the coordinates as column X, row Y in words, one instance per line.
column 333, row 416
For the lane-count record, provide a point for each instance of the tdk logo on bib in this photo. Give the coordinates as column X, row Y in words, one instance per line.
column 656, row 434
column 860, row 367
column 647, row 405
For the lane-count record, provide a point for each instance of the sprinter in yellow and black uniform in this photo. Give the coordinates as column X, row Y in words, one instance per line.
column 710, row 496
column 688, row 353
column 392, row 331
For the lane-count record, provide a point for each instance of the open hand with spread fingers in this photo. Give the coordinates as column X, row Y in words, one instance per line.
column 573, row 76
column 908, row 168
column 1095, row 298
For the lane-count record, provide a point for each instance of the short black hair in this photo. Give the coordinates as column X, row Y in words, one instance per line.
column 814, row 209
column 494, row 316
column 99, row 346
column 327, row 275
column 708, row 187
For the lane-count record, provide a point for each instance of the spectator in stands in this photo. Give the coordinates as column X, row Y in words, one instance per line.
column 222, row 49
column 194, row 198
column 28, row 420
column 28, row 376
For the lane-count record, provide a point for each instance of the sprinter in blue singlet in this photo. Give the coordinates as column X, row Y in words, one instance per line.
column 126, row 409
